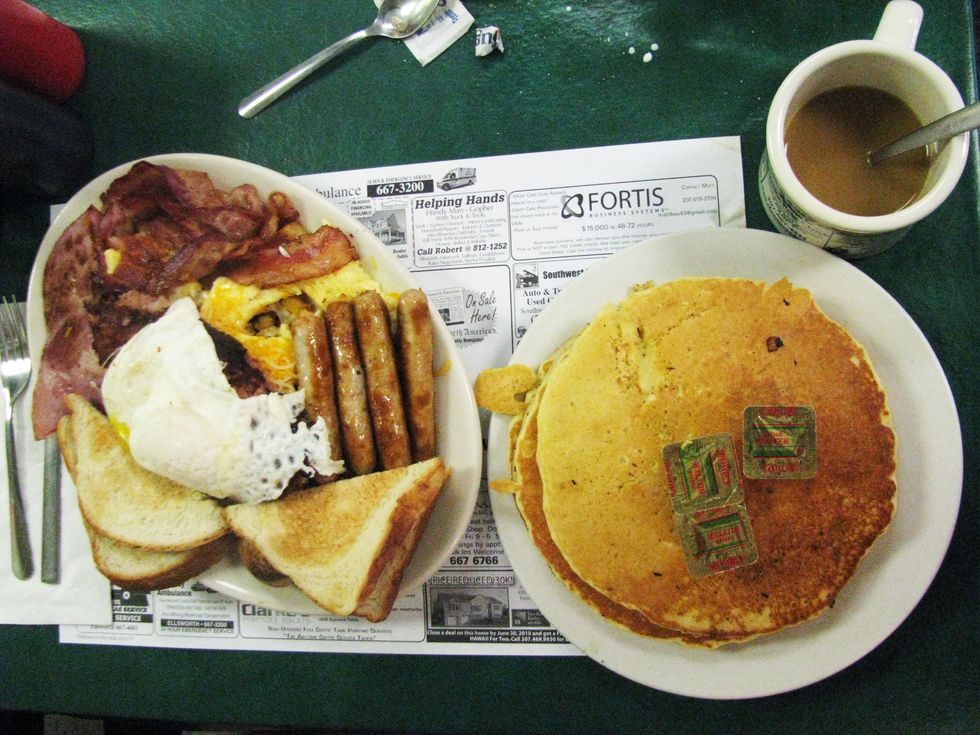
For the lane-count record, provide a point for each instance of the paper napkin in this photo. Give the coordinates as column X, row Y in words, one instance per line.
column 83, row 594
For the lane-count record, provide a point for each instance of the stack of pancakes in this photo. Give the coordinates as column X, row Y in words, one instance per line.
column 676, row 362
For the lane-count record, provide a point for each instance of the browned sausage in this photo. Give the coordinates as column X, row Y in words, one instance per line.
column 381, row 371
column 355, row 420
column 314, row 368
column 415, row 348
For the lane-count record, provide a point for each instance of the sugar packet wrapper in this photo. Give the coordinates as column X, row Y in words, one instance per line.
column 449, row 22
column 488, row 40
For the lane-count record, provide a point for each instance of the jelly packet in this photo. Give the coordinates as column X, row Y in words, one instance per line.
column 779, row 442
column 709, row 505
column 701, row 473
column 717, row 539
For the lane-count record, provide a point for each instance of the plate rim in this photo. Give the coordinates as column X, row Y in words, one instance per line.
column 616, row 648
column 465, row 480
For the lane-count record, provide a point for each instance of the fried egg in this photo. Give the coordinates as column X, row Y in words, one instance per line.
column 167, row 396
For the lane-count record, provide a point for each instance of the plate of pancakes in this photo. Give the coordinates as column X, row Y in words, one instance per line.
column 669, row 341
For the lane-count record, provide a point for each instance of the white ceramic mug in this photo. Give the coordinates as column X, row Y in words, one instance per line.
column 889, row 63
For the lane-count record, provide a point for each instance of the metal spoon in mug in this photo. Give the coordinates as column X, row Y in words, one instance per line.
column 396, row 19
column 942, row 129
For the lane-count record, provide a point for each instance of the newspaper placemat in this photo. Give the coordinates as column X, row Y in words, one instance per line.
column 492, row 241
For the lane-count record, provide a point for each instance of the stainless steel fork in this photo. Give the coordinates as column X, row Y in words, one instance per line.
column 15, row 371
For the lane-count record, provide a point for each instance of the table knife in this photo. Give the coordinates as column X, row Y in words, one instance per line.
column 51, row 518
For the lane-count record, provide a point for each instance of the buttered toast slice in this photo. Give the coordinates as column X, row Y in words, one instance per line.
column 124, row 502
column 346, row 544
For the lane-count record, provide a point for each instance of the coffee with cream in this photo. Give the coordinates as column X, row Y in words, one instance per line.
column 828, row 141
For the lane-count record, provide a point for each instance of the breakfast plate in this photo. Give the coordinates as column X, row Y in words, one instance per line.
column 899, row 567
column 457, row 420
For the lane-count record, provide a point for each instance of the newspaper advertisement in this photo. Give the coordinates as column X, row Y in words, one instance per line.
column 492, row 241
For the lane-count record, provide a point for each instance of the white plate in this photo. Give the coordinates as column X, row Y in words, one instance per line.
column 899, row 567
column 457, row 419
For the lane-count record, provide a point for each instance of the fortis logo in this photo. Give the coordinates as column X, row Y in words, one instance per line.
column 610, row 200
column 571, row 206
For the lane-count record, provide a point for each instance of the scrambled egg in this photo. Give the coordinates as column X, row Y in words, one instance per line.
column 258, row 318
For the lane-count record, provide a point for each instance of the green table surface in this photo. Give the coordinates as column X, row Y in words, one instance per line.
column 167, row 76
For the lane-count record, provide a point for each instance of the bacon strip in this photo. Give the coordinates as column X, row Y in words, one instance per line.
column 312, row 255
column 69, row 363
column 171, row 226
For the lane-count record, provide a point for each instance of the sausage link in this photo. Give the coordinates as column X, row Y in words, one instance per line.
column 381, row 371
column 415, row 350
column 314, row 368
column 355, row 420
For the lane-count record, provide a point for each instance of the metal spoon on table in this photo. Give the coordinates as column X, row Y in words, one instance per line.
column 396, row 19
column 942, row 129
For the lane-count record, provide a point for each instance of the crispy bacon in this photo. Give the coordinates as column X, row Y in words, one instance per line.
column 192, row 188
column 143, row 179
column 275, row 262
column 171, row 226
column 155, row 265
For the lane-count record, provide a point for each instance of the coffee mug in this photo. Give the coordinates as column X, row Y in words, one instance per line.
column 888, row 63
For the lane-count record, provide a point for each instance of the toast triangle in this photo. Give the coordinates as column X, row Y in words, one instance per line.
column 142, row 570
column 346, row 544
column 124, row 502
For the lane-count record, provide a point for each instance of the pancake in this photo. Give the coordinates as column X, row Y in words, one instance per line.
column 683, row 360
column 527, row 489
column 529, row 501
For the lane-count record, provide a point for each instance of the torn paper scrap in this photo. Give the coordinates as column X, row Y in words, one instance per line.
column 450, row 21
column 488, row 40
